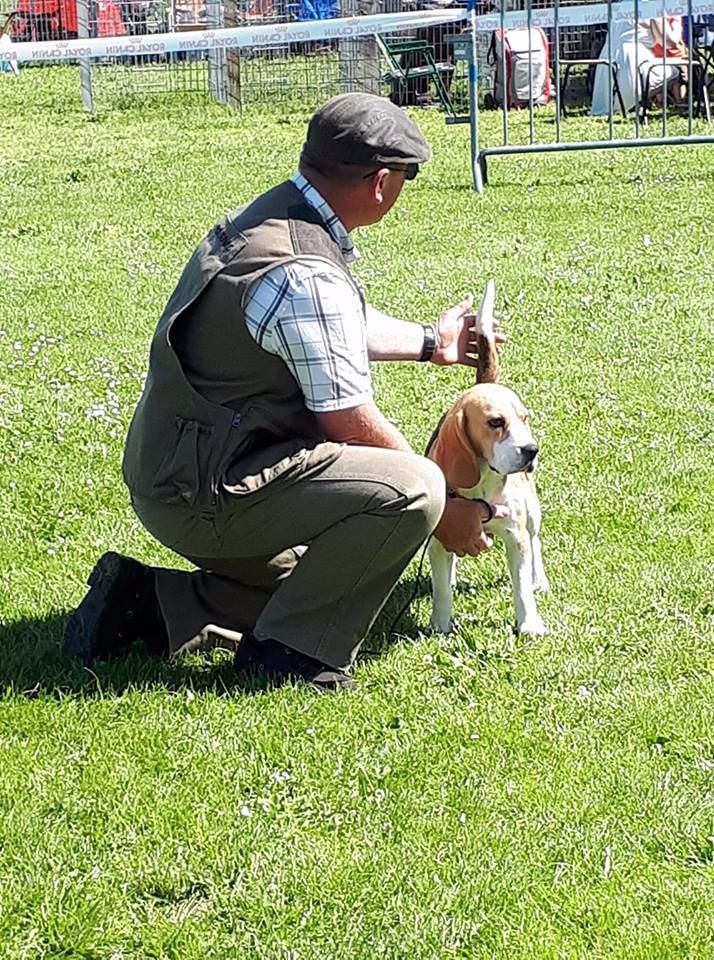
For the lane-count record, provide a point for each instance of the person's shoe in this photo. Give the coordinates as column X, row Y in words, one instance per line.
column 283, row 665
column 119, row 609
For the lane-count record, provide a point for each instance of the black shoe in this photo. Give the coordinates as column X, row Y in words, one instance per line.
column 282, row 665
column 120, row 609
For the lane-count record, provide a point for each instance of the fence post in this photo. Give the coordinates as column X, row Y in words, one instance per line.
column 216, row 58
column 476, row 171
column 85, row 63
column 233, row 88
column 359, row 59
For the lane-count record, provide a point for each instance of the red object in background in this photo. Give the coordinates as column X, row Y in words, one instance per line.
column 57, row 19
column 46, row 19
column 109, row 21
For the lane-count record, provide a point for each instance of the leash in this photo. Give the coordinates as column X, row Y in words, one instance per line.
column 417, row 583
column 415, row 591
column 420, row 568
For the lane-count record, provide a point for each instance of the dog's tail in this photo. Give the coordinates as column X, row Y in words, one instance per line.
column 484, row 328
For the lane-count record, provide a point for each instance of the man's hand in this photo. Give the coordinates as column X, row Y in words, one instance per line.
column 456, row 343
column 460, row 529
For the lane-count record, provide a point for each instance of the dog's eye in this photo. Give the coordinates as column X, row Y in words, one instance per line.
column 497, row 423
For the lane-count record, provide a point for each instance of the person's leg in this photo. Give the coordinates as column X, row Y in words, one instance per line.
column 223, row 598
column 171, row 611
column 362, row 517
column 679, row 84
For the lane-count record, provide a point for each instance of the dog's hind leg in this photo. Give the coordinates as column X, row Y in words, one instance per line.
column 540, row 580
column 443, row 566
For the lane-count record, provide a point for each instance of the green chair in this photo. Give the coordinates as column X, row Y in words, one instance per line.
column 6, row 22
column 410, row 65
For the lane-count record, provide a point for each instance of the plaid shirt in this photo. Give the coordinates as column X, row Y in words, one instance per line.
column 309, row 314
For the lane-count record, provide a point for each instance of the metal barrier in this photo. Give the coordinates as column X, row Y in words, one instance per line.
column 304, row 51
column 652, row 55
column 129, row 47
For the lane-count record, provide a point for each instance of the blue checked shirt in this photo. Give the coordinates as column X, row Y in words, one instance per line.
column 309, row 314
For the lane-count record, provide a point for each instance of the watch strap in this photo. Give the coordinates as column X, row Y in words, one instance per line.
column 427, row 351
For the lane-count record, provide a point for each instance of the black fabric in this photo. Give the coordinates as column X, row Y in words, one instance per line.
column 282, row 665
column 119, row 610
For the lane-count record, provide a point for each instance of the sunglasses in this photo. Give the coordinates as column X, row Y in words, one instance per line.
column 410, row 170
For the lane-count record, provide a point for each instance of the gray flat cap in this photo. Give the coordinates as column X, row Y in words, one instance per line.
column 360, row 128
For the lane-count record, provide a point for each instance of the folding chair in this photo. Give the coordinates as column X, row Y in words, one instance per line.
column 590, row 63
column 699, row 78
column 413, row 60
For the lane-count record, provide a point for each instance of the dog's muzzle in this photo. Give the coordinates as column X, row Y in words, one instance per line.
column 528, row 455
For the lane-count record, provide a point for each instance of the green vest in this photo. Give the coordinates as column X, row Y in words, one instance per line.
column 218, row 414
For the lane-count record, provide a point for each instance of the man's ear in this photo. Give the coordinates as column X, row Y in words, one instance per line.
column 380, row 178
column 453, row 452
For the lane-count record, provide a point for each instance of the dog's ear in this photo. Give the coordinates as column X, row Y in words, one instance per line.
column 484, row 329
column 453, row 452
column 487, row 363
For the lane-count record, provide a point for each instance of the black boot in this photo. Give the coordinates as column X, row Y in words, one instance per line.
column 283, row 665
column 119, row 609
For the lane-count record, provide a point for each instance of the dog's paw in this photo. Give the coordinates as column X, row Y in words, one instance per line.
column 441, row 624
column 541, row 584
column 532, row 627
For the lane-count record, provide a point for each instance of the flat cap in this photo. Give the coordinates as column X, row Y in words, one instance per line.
column 360, row 128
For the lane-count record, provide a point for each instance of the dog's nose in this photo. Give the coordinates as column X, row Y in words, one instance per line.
column 529, row 452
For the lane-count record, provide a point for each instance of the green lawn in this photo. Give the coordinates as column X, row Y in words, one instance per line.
column 478, row 796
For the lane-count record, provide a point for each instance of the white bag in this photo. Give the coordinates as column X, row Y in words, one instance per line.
column 526, row 70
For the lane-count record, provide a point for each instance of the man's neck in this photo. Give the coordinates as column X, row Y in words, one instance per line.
column 335, row 197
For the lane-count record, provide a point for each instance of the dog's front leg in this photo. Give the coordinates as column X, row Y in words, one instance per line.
column 442, row 579
column 520, row 564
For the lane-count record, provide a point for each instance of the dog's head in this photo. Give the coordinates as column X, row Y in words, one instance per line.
column 488, row 423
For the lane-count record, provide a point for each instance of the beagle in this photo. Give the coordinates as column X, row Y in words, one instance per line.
column 487, row 452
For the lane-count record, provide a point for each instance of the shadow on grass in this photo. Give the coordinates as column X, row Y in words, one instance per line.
column 32, row 663
column 506, row 180
column 397, row 621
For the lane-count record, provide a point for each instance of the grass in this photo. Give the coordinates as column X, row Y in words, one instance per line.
column 478, row 796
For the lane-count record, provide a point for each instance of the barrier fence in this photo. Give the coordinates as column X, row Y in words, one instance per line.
column 261, row 35
column 240, row 55
column 634, row 59
column 653, row 53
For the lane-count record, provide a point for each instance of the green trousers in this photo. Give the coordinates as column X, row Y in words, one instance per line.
column 309, row 563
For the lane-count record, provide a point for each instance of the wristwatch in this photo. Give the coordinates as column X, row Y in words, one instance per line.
column 427, row 351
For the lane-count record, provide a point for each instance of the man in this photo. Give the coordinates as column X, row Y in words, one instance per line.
column 256, row 450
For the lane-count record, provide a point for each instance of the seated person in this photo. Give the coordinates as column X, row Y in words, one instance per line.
column 667, row 38
column 635, row 47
